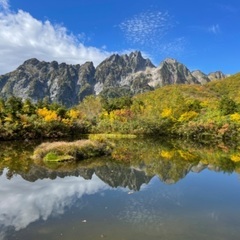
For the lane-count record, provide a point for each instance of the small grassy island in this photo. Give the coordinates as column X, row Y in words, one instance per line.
column 71, row 151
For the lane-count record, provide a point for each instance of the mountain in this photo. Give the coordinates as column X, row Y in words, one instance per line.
column 112, row 73
column 169, row 72
column 113, row 174
column 216, row 75
column 62, row 83
column 201, row 77
column 115, row 76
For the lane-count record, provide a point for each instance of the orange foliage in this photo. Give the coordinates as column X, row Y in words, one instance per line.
column 122, row 115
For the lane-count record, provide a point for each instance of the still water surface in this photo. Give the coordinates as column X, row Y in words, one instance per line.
column 154, row 197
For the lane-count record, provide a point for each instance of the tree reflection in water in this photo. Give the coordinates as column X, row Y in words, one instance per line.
column 28, row 192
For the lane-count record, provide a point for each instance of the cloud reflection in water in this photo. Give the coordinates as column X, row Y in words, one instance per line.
column 23, row 202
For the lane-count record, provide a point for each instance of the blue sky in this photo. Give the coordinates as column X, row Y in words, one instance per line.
column 202, row 34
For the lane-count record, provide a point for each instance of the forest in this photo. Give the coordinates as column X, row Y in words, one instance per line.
column 206, row 113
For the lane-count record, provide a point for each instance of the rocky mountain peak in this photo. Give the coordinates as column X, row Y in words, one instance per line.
column 216, row 75
column 136, row 56
column 115, row 76
column 138, row 63
column 170, row 61
column 87, row 66
column 200, row 76
column 114, row 70
column 31, row 61
column 54, row 65
column 113, row 58
column 171, row 71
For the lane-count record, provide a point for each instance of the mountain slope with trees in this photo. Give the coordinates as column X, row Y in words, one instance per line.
column 203, row 112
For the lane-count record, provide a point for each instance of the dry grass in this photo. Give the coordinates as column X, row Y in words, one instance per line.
column 104, row 137
column 80, row 149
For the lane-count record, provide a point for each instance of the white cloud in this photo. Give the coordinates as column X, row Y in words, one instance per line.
column 23, row 37
column 215, row 29
column 146, row 28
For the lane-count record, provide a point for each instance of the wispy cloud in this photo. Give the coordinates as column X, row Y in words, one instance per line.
column 148, row 31
column 215, row 29
column 229, row 8
column 174, row 47
column 23, row 37
column 4, row 4
column 146, row 28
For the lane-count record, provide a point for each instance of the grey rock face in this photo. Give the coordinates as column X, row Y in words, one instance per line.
column 36, row 80
column 114, row 71
column 201, row 77
column 115, row 175
column 216, row 75
column 171, row 71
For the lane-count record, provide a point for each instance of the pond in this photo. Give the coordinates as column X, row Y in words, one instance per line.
column 148, row 189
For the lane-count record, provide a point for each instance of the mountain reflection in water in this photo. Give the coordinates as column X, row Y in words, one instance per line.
column 32, row 192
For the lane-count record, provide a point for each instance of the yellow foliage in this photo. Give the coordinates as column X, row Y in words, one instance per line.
column 235, row 157
column 235, row 117
column 48, row 115
column 122, row 115
column 186, row 155
column 204, row 161
column 112, row 117
column 204, row 103
column 66, row 121
column 8, row 118
column 167, row 112
column 74, row 114
column 51, row 117
column 187, row 116
column 43, row 112
column 167, row 154
column 104, row 114
column 24, row 120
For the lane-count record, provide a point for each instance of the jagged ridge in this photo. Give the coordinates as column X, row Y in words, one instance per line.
column 116, row 75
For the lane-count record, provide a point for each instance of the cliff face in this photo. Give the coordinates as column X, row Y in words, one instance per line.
column 171, row 71
column 201, row 77
column 216, row 75
column 114, row 71
column 67, row 84
column 117, row 75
